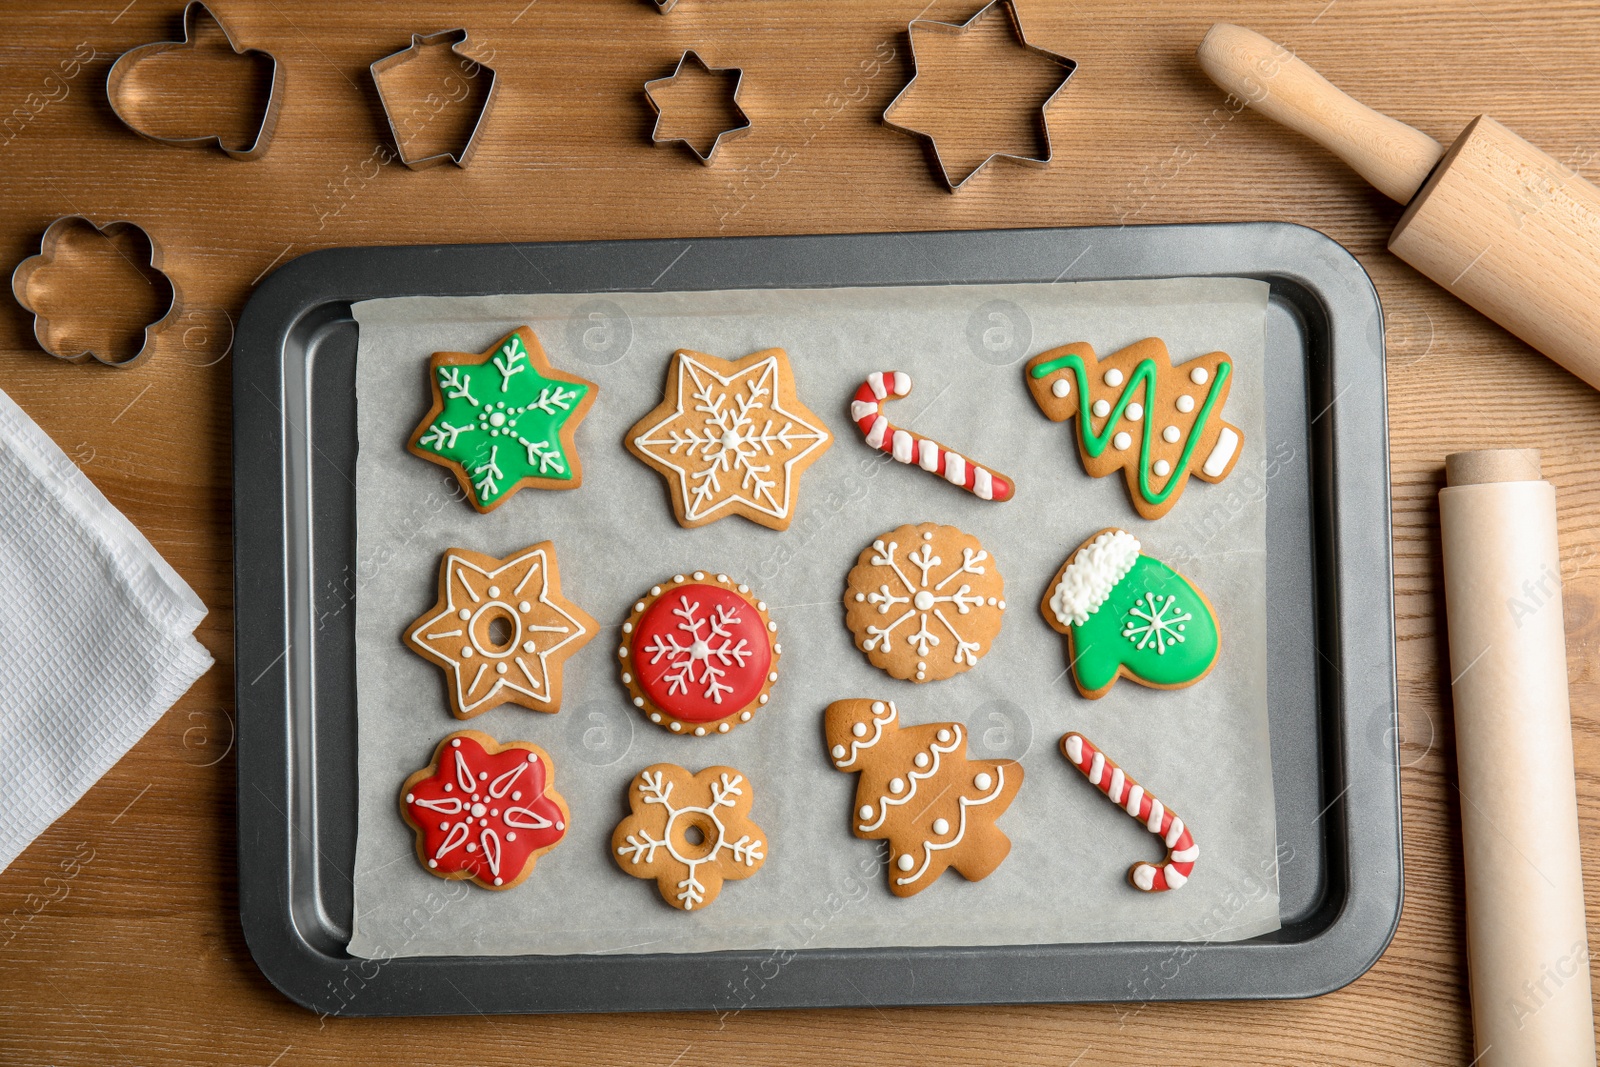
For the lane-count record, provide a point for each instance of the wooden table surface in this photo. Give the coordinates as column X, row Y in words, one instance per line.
column 120, row 941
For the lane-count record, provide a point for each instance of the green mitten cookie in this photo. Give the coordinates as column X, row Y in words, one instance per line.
column 1128, row 615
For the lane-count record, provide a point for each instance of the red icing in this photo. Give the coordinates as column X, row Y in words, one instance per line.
column 468, row 775
column 698, row 685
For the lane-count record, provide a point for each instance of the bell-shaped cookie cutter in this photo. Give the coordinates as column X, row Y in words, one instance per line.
column 726, row 135
column 960, row 29
column 116, row 86
column 382, row 67
column 22, row 276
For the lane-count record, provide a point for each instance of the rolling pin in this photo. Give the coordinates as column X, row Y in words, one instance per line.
column 1494, row 220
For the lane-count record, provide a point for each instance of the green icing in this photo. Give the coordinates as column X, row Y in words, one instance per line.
column 1154, row 623
column 502, row 421
column 1143, row 375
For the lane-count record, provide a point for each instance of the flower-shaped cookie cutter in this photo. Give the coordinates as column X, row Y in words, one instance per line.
column 119, row 90
column 44, row 331
column 392, row 104
column 738, row 83
column 960, row 30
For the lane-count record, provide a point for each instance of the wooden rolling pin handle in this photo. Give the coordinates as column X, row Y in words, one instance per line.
column 1391, row 155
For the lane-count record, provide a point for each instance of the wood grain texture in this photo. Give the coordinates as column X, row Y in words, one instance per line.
column 119, row 934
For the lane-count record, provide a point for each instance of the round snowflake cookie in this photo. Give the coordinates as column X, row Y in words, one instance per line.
column 924, row 602
column 699, row 654
column 484, row 811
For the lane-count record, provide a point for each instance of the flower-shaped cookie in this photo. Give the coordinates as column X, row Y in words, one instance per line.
column 689, row 832
column 483, row 810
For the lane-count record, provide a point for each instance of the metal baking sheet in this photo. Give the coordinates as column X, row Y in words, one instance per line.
column 1335, row 764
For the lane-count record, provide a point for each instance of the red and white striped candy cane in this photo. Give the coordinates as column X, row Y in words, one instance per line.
column 907, row 447
column 1129, row 795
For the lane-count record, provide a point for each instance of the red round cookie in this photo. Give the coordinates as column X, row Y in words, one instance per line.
column 699, row 654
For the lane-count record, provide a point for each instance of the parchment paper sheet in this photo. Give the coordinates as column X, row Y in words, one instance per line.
column 1203, row 750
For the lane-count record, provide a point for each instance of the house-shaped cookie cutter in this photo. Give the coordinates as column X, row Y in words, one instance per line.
column 381, row 68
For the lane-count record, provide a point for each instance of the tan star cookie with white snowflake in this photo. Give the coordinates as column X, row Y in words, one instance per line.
column 924, row 602
column 731, row 438
column 501, row 630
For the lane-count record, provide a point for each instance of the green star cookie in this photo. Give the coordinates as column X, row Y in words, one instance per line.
column 504, row 419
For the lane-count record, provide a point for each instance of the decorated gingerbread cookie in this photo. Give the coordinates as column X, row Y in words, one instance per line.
column 1139, row 414
column 699, row 653
column 483, row 810
column 731, row 438
column 689, row 832
column 907, row 446
column 919, row 792
column 924, row 602
column 501, row 630
column 1130, row 796
column 503, row 420
column 1129, row 615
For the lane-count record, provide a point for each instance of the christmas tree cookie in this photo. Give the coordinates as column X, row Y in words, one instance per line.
column 503, row 420
column 1128, row 615
column 919, row 792
column 1139, row 414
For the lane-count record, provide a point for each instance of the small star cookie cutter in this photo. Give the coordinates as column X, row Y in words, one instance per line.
column 725, row 135
column 119, row 91
column 382, row 67
column 44, row 331
column 961, row 29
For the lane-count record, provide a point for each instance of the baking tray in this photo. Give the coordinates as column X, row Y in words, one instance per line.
column 1331, row 665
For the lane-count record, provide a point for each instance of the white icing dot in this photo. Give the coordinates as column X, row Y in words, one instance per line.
column 533, row 757
column 627, row 627
column 1102, row 408
column 1122, row 441
column 433, row 863
column 444, row 826
column 623, row 652
column 499, row 668
column 1001, row 605
column 560, row 825
column 626, row 677
column 410, row 798
column 927, row 536
column 922, row 676
column 497, row 880
column 777, row 649
column 943, row 736
column 744, row 588
column 920, row 759
column 494, row 590
column 761, row 605
column 860, row 597
column 723, row 578
column 923, row 601
column 524, row 607
column 941, row 826
column 877, row 707
column 478, row 810
column 762, row 698
column 466, row 652
column 638, row 702
column 1186, row 404
column 1113, row 377
column 699, row 731
column 471, row 847
column 905, row 862
column 518, row 794
column 447, row 786
column 676, row 727
column 772, row 626
column 1170, row 435
column 1135, row 412
column 655, row 716
column 722, row 728
column 699, row 576
column 983, row 781
column 1198, row 376
column 639, row 606
column 922, row 666
column 677, row 577
column 744, row 716
column 464, row 614
column 1060, row 387
column 859, row 729
column 991, row 602
column 866, row 811
column 655, row 590
column 838, row 750
column 483, row 776
column 773, row 677
column 454, row 743
column 897, row 786
column 495, row 812
column 1162, row 468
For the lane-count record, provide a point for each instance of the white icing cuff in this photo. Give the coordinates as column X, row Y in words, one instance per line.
column 1091, row 576
column 1222, row 454
column 860, row 409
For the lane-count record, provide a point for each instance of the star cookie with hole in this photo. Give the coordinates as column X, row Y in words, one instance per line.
column 731, row 438
column 504, row 420
column 501, row 630
column 699, row 654
column 690, row 832
column 484, row 811
column 1129, row 615
column 924, row 602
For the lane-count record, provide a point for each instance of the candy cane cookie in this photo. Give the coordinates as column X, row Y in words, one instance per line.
column 1130, row 796
column 866, row 410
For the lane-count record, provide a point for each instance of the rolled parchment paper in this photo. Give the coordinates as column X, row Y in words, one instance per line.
column 1527, row 945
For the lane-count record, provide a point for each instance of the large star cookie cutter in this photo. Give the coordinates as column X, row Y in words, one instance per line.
column 651, row 87
column 122, row 89
column 392, row 103
column 49, row 336
column 961, row 30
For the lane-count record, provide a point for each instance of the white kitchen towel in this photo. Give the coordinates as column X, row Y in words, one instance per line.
column 96, row 632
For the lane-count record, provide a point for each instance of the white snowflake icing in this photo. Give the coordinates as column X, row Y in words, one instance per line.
column 925, row 599
column 742, row 431
column 1157, row 623
column 641, row 846
column 712, row 660
column 488, row 474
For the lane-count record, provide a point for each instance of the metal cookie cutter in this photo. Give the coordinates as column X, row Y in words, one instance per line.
column 44, row 332
column 728, row 134
column 384, row 66
column 663, row 6
column 960, row 30
column 118, row 90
